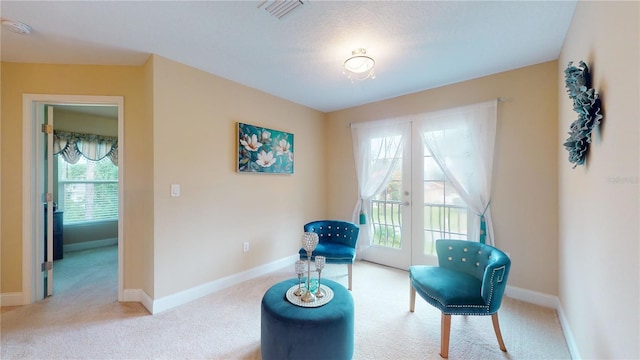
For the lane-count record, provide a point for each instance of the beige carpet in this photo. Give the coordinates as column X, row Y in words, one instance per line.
column 83, row 320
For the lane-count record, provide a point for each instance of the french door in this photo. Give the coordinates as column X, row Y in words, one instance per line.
column 390, row 211
column 417, row 207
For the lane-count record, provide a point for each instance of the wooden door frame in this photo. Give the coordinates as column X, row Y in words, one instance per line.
column 31, row 274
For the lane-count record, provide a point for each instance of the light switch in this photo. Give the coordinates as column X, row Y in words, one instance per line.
column 175, row 190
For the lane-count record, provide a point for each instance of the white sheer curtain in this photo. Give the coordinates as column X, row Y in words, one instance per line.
column 377, row 147
column 462, row 142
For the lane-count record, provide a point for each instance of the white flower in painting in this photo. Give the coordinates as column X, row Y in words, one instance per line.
column 266, row 137
column 251, row 143
column 265, row 159
column 283, row 147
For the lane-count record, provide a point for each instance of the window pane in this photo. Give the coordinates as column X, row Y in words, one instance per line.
column 432, row 170
column 386, row 206
column 90, row 202
column 445, row 213
column 88, row 190
column 433, row 192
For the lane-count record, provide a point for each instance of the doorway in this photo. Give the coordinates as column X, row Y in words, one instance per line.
column 85, row 198
column 416, row 207
column 33, row 177
column 424, row 178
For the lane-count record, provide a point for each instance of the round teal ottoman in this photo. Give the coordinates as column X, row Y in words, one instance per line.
column 292, row 332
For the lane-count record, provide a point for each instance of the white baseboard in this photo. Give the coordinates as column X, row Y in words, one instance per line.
column 138, row 295
column 89, row 244
column 568, row 335
column 11, row 299
column 183, row 297
column 549, row 301
column 532, row 297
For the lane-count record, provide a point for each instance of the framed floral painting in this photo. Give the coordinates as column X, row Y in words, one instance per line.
column 263, row 150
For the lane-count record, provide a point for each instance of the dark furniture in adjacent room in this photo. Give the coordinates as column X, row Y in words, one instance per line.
column 57, row 234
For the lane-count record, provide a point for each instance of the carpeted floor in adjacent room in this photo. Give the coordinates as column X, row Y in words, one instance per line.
column 83, row 320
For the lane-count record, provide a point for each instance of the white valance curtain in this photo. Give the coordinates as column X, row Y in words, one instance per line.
column 377, row 147
column 71, row 146
column 462, row 141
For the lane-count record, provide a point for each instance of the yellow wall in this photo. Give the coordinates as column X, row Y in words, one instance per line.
column 599, row 202
column 524, row 204
column 199, row 235
column 126, row 81
column 143, row 194
column 180, row 127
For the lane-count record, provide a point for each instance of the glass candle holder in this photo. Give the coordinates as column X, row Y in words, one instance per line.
column 299, row 270
column 320, row 261
column 309, row 243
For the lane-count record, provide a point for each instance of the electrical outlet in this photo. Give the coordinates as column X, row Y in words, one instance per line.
column 245, row 246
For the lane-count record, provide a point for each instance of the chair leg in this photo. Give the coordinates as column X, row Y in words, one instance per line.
column 412, row 297
column 496, row 328
column 445, row 328
column 350, row 266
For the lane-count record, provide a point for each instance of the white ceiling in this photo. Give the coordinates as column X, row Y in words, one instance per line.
column 417, row 45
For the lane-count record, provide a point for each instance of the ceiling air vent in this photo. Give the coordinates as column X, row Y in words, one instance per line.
column 280, row 8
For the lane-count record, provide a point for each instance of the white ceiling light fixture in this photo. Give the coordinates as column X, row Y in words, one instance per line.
column 359, row 66
column 16, row 27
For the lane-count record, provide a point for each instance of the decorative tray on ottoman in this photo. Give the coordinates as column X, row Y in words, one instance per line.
column 297, row 300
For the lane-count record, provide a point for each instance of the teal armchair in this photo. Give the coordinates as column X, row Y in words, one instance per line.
column 470, row 279
column 337, row 242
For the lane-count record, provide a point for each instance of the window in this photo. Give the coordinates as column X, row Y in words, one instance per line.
column 386, row 206
column 445, row 214
column 88, row 190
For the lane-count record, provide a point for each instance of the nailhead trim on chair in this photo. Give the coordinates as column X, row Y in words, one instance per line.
column 491, row 291
column 460, row 306
column 493, row 273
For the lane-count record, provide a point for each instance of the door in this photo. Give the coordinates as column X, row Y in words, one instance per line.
column 34, row 179
column 45, row 255
column 390, row 209
column 416, row 207
column 439, row 211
